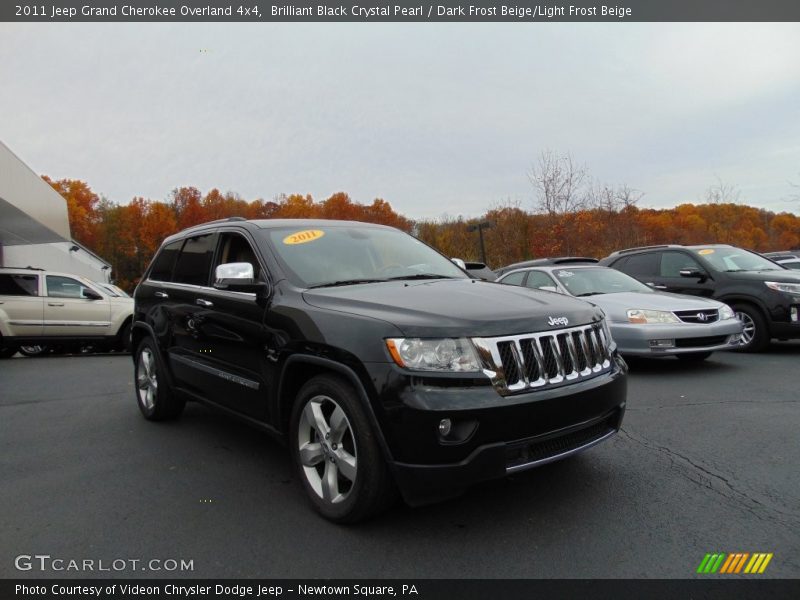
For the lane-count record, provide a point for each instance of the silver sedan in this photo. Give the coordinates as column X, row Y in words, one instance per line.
column 643, row 322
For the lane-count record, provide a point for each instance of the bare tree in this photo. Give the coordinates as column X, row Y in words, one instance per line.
column 722, row 193
column 558, row 183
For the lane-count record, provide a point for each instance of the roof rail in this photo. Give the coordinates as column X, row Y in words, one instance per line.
column 215, row 222
column 647, row 248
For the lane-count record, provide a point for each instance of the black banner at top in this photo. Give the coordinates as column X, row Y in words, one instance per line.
column 398, row 10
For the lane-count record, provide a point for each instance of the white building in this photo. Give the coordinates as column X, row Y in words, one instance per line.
column 34, row 227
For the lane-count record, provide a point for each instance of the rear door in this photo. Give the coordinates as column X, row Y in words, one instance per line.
column 21, row 305
column 68, row 312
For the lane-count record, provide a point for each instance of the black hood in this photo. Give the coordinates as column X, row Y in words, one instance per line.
column 456, row 307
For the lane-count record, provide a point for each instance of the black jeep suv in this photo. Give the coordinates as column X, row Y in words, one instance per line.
column 764, row 295
column 376, row 359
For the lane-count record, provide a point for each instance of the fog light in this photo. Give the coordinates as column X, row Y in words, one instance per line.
column 794, row 314
column 662, row 343
column 445, row 425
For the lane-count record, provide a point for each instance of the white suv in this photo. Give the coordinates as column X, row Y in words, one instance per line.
column 41, row 309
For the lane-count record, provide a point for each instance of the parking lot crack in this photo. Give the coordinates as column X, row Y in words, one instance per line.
column 760, row 507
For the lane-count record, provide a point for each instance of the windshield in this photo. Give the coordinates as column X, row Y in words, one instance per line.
column 736, row 259
column 342, row 255
column 598, row 280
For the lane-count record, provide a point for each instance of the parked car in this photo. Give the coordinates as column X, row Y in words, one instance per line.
column 538, row 261
column 40, row 310
column 764, row 295
column 642, row 321
column 379, row 362
column 789, row 260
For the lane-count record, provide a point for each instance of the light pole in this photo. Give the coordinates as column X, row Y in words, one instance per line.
column 479, row 227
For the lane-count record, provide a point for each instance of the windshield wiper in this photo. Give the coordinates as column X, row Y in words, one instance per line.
column 587, row 294
column 420, row 276
column 345, row 282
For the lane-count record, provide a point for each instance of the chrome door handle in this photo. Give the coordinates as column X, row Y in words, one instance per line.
column 205, row 303
column 161, row 295
column 55, row 304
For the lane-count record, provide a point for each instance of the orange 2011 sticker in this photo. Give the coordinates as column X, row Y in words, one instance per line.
column 303, row 237
column 705, row 251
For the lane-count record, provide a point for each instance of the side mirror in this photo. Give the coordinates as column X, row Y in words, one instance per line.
column 695, row 273
column 460, row 263
column 238, row 277
column 91, row 294
column 548, row 288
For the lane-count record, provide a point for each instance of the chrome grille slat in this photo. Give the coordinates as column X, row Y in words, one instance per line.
column 524, row 362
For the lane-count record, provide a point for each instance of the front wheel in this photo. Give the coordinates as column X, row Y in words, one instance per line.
column 155, row 397
column 694, row 356
column 336, row 452
column 755, row 335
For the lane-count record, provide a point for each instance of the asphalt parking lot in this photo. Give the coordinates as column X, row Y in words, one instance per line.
column 707, row 462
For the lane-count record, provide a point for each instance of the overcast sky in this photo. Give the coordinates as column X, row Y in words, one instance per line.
column 435, row 118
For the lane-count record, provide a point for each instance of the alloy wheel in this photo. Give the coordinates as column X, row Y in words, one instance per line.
column 749, row 331
column 327, row 449
column 146, row 378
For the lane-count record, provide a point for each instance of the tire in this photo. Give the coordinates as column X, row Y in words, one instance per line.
column 156, row 399
column 37, row 350
column 336, row 453
column 124, row 338
column 694, row 357
column 755, row 336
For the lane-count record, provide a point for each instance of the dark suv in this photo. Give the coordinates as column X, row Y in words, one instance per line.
column 376, row 359
column 764, row 295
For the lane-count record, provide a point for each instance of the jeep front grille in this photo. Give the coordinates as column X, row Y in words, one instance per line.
column 518, row 363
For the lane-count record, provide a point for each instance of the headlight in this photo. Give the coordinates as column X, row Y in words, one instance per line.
column 447, row 354
column 636, row 315
column 726, row 312
column 789, row 288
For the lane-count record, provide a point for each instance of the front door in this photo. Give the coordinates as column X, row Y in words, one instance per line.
column 69, row 312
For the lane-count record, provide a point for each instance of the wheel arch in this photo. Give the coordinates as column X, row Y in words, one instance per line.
column 311, row 366
column 139, row 331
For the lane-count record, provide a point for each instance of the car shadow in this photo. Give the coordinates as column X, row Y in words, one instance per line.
column 264, row 463
column 659, row 366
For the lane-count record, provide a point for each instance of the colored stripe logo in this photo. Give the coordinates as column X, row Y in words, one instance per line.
column 735, row 563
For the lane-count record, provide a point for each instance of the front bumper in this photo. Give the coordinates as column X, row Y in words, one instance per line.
column 498, row 435
column 637, row 340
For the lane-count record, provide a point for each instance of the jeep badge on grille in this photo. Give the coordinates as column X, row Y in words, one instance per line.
column 563, row 321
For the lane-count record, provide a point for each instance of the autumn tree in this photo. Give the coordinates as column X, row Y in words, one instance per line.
column 81, row 208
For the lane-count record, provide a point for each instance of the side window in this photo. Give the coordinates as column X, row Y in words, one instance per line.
column 165, row 261
column 19, row 285
column 194, row 261
column 514, row 278
column 538, row 279
column 233, row 248
column 64, row 287
column 673, row 262
column 639, row 265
